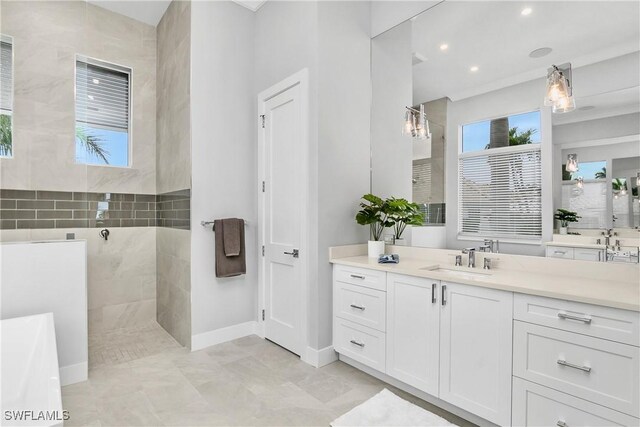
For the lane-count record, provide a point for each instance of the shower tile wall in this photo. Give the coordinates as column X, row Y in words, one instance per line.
column 47, row 36
column 174, row 171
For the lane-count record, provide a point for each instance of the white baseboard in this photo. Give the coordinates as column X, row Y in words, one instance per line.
column 319, row 358
column 218, row 336
column 72, row 374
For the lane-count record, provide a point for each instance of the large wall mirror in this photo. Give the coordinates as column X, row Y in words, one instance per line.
column 528, row 108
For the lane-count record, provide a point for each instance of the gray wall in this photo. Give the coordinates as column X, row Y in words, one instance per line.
column 224, row 158
column 174, row 167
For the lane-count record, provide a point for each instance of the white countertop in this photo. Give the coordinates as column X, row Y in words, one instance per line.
column 610, row 293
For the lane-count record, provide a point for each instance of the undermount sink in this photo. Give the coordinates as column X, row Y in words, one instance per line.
column 460, row 272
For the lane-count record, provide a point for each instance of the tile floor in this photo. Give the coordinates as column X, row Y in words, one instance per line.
column 141, row 377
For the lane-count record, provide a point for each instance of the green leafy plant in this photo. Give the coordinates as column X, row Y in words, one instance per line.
column 566, row 216
column 403, row 213
column 516, row 138
column 618, row 184
column 374, row 212
column 92, row 143
column 601, row 174
column 5, row 135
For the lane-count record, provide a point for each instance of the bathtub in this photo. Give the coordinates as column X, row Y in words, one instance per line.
column 30, row 376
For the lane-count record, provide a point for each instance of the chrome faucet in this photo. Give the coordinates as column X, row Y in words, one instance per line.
column 607, row 236
column 472, row 256
column 490, row 245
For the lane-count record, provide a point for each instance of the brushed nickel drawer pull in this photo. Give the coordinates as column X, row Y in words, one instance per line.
column 586, row 369
column 560, row 252
column 359, row 344
column 561, row 423
column 565, row 316
column 433, row 293
column 357, row 276
column 357, row 307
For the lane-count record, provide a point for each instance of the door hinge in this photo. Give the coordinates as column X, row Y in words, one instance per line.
column 262, row 117
column 263, row 315
column 262, row 250
column 263, row 186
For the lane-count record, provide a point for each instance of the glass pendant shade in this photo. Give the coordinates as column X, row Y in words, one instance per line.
column 572, row 163
column 407, row 129
column 559, row 94
column 580, row 182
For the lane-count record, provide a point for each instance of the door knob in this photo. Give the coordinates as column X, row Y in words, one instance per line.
column 295, row 253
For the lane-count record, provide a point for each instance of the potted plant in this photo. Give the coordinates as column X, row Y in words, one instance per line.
column 403, row 213
column 374, row 213
column 565, row 217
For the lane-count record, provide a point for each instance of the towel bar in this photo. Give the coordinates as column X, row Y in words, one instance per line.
column 205, row 223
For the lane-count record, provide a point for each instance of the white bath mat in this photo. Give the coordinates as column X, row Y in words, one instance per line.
column 388, row 410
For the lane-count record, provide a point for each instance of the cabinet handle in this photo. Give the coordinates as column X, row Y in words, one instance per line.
column 433, row 293
column 586, row 369
column 359, row 344
column 565, row 316
column 561, row 423
column 357, row 307
column 560, row 252
column 444, row 295
column 356, row 276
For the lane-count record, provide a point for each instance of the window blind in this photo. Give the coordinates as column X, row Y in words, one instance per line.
column 102, row 97
column 500, row 193
column 6, row 77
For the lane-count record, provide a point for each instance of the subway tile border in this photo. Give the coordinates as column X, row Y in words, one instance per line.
column 33, row 209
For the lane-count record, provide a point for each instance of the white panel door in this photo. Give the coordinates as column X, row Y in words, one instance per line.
column 283, row 199
column 413, row 331
column 475, row 350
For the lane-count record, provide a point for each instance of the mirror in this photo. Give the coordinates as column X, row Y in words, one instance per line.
column 493, row 165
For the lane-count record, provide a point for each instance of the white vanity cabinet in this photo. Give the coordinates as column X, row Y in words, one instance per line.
column 413, row 331
column 475, row 350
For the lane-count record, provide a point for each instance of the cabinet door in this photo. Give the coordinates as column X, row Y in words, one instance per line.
column 585, row 254
column 413, row 324
column 475, row 350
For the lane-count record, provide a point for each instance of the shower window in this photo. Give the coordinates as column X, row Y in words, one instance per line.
column 103, row 100
column 6, row 96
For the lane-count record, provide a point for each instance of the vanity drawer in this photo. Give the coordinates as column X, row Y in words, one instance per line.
column 559, row 252
column 535, row 405
column 361, row 276
column 603, row 372
column 360, row 343
column 598, row 321
column 585, row 254
column 361, row 305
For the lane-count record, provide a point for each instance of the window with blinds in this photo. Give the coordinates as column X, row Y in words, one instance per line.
column 500, row 193
column 6, row 96
column 103, row 101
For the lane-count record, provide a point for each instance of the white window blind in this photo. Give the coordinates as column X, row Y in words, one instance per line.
column 500, row 193
column 102, row 97
column 6, row 77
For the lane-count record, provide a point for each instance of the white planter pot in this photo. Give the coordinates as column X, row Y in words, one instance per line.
column 400, row 242
column 376, row 248
column 563, row 230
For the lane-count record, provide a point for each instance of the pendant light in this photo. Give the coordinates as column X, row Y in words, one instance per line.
column 580, row 182
column 416, row 124
column 572, row 163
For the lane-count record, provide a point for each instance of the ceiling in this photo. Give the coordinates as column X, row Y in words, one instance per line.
column 151, row 11
column 497, row 38
column 147, row 11
column 615, row 103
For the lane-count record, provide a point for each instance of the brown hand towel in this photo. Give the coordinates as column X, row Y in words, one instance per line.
column 232, row 236
column 229, row 266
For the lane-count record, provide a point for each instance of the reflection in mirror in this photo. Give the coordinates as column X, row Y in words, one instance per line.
column 484, row 99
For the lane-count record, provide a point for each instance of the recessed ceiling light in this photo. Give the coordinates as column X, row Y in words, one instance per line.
column 444, row 46
column 539, row 53
column 526, row 11
column 474, row 69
